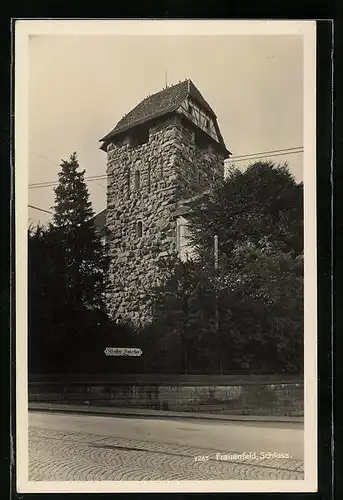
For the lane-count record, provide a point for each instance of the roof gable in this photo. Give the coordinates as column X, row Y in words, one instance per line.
column 159, row 104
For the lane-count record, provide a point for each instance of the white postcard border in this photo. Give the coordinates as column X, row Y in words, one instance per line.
column 25, row 28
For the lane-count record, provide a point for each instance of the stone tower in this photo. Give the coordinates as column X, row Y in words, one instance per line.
column 166, row 150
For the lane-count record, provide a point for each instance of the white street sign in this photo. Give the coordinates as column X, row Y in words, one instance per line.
column 123, row 351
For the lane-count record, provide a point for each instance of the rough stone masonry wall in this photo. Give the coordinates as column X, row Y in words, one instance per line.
column 172, row 167
column 248, row 395
column 197, row 164
column 134, row 260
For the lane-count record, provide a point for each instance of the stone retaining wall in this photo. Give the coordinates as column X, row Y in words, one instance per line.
column 240, row 396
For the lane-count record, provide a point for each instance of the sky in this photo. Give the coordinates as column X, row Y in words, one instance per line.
column 80, row 86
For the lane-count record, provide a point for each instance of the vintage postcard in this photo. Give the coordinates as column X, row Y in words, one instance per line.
column 166, row 316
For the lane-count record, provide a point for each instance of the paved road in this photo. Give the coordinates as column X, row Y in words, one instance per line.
column 97, row 448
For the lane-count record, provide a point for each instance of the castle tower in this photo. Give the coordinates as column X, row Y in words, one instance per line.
column 166, row 150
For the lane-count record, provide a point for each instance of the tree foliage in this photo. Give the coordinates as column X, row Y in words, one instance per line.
column 262, row 205
column 184, row 320
column 68, row 326
column 247, row 315
column 46, row 298
column 86, row 262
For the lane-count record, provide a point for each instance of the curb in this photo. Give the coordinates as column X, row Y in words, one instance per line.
column 124, row 412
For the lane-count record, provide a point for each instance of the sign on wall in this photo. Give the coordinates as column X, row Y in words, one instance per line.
column 123, row 351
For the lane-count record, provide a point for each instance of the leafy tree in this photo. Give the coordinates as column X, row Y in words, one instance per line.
column 260, row 295
column 46, row 299
column 184, row 321
column 246, row 316
column 263, row 204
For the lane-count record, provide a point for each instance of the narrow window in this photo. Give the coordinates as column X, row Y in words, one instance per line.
column 149, row 177
column 128, row 179
column 139, row 229
column 190, row 109
column 137, row 180
column 207, row 123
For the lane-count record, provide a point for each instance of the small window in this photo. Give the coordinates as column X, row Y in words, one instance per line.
column 201, row 140
column 128, row 179
column 207, row 123
column 190, row 109
column 137, row 180
column 149, row 177
column 139, row 136
column 139, row 229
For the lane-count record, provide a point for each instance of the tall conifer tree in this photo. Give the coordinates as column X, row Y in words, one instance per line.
column 86, row 263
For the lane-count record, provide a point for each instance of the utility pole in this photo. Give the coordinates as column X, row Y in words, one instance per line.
column 216, row 252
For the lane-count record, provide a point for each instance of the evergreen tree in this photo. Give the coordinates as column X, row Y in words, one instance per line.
column 68, row 325
column 86, row 263
column 61, row 338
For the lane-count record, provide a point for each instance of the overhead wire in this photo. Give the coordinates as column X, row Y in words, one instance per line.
column 40, row 209
column 233, row 159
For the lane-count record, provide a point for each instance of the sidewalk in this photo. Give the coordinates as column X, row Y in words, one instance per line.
column 144, row 412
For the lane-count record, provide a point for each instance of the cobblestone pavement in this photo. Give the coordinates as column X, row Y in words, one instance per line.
column 68, row 456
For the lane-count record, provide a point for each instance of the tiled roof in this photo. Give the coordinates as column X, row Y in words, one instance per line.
column 159, row 104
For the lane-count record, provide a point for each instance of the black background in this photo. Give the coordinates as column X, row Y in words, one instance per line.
column 325, row 176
